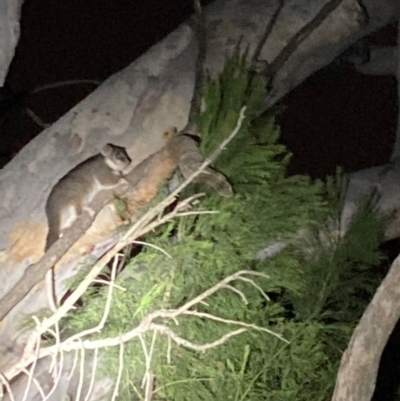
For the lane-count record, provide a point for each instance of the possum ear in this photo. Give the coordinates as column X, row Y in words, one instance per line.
column 115, row 157
column 107, row 150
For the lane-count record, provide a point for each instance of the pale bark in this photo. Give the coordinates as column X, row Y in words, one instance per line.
column 360, row 362
column 10, row 12
column 135, row 107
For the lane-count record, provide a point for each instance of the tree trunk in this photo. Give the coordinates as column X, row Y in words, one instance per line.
column 137, row 108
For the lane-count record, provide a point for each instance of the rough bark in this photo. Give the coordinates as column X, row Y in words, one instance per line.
column 137, row 106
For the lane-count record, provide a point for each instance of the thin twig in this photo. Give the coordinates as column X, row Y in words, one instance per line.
column 143, row 225
column 92, row 376
column 81, row 372
column 6, row 384
column 120, row 369
column 37, row 384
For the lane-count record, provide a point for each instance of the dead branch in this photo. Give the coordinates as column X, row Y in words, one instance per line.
column 144, row 224
column 148, row 323
column 183, row 150
column 137, row 178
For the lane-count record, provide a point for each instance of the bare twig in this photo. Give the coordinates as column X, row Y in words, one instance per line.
column 142, row 226
column 75, row 363
column 36, row 382
column 60, row 84
column 199, row 29
column 81, row 372
column 256, row 55
column 32, row 369
column 93, row 375
column 107, row 307
column 35, row 118
column 145, row 224
column 37, row 272
column 120, row 368
column 147, row 322
column 300, row 36
column 6, row 384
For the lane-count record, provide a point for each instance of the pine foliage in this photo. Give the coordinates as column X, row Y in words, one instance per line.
column 318, row 286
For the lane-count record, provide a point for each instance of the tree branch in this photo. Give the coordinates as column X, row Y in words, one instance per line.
column 302, row 34
column 141, row 174
column 360, row 362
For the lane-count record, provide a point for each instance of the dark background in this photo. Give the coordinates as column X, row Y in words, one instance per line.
column 336, row 118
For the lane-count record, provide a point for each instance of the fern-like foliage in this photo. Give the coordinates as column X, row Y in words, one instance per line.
column 317, row 287
column 340, row 272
